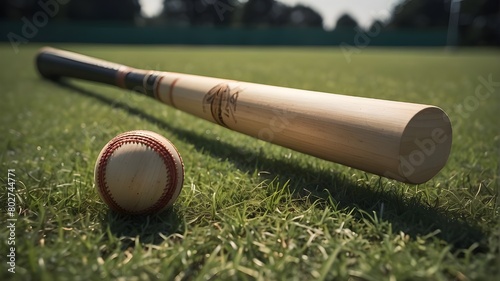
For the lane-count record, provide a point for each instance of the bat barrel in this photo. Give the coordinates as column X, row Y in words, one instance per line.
column 404, row 141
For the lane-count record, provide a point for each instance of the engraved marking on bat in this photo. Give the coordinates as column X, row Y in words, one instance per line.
column 221, row 100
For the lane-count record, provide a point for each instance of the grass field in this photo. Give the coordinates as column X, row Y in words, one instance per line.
column 248, row 209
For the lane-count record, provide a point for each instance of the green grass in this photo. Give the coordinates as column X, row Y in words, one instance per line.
column 248, row 209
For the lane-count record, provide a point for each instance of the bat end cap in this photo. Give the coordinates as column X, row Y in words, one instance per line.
column 425, row 145
column 42, row 65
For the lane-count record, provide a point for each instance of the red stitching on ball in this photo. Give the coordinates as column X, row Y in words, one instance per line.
column 157, row 146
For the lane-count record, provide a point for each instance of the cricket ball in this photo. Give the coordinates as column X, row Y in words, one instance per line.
column 139, row 172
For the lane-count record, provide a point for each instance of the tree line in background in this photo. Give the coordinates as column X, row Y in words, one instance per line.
column 478, row 20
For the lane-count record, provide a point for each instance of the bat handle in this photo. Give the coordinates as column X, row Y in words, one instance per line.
column 54, row 64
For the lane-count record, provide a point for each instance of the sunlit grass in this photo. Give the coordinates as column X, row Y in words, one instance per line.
column 248, row 209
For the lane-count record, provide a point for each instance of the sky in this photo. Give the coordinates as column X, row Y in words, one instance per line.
column 363, row 11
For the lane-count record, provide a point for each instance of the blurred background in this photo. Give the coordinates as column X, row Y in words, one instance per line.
column 253, row 22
